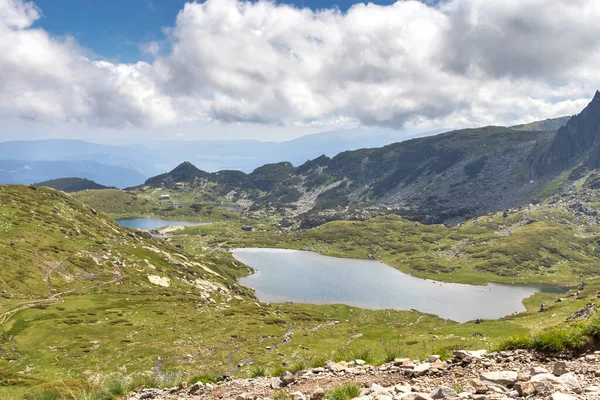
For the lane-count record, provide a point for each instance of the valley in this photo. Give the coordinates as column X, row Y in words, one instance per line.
column 86, row 302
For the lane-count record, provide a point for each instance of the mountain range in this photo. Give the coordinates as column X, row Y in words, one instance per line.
column 28, row 162
column 443, row 178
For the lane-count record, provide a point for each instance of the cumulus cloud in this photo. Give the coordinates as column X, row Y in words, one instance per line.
column 409, row 64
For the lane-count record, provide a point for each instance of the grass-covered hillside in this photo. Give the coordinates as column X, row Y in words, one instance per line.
column 51, row 243
column 182, row 205
column 71, row 184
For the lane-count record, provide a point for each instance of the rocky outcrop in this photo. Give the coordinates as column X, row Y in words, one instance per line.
column 578, row 139
column 468, row 375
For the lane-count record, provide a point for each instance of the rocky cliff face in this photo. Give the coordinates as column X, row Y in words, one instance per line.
column 577, row 141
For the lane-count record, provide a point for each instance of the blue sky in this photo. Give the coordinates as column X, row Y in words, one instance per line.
column 115, row 28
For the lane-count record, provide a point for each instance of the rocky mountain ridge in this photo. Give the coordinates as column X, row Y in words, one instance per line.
column 437, row 179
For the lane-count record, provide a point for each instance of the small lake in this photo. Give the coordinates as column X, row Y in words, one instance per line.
column 147, row 224
column 307, row 277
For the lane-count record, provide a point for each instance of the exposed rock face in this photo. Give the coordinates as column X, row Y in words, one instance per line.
column 578, row 139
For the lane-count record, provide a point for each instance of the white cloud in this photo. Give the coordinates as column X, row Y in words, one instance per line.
column 410, row 64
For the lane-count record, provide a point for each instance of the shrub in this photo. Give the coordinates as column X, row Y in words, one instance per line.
column 365, row 354
column 345, row 391
column 257, row 370
column 572, row 337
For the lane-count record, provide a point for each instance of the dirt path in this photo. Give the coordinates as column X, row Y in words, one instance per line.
column 54, row 298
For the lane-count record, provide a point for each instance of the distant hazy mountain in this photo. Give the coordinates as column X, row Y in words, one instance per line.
column 153, row 157
column 30, row 172
column 247, row 155
column 71, row 184
column 137, row 162
column 134, row 157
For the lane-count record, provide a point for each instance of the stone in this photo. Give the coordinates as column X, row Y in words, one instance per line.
column 415, row 396
column 560, row 368
column 592, row 389
column 360, row 362
column 339, row 367
column 538, row 370
column 377, row 389
column 403, row 388
column 443, row 392
column 287, row 378
column 570, row 382
column 244, row 396
column 317, row 394
column 438, row 365
column 478, row 386
column 298, row 396
column 561, row 396
column 544, row 388
column 195, row 388
column 525, row 389
column 382, row 397
column 505, row 378
column 433, row 358
column 545, row 378
column 465, row 395
column 421, row 369
column 462, row 354
column 275, row 383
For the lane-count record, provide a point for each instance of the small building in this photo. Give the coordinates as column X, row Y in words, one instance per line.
column 247, row 228
column 164, row 197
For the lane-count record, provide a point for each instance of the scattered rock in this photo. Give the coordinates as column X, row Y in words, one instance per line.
column 443, row 392
column 478, row 386
column 421, row 369
column 298, row 396
column 562, row 396
column 317, row 394
column 525, row 389
column 560, row 368
column 287, row 378
column 505, row 378
column 275, row 383
column 538, row 370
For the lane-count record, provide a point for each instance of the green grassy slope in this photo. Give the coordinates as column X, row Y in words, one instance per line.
column 124, row 204
column 71, row 184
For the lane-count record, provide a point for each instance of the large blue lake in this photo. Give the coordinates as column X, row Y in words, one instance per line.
column 307, row 277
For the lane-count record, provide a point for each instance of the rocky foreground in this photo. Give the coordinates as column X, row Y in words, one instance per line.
column 473, row 375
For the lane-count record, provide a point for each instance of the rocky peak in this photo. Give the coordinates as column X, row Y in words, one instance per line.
column 184, row 172
column 578, row 139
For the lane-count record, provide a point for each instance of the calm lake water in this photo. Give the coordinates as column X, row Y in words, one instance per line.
column 147, row 224
column 307, row 277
